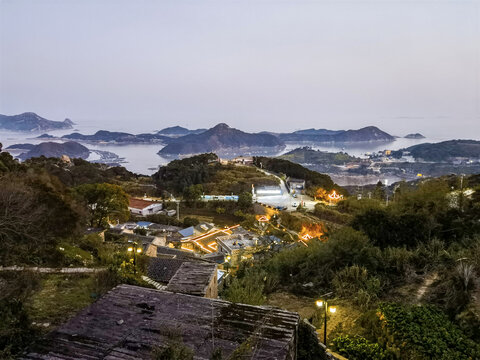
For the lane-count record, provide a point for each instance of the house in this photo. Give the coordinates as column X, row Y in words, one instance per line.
column 243, row 160
column 237, row 246
column 295, row 184
column 195, row 278
column 143, row 207
column 129, row 322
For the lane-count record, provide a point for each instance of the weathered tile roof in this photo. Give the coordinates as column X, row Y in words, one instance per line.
column 163, row 269
column 129, row 321
column 193, row 278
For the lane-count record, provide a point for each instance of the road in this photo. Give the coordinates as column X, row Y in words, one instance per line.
column 285, row 200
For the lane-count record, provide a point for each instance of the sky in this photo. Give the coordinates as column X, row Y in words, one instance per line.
column 140, row 65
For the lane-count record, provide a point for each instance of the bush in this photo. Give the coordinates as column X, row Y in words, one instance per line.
column 190, row 221
column 358, row 348
column 424, row 332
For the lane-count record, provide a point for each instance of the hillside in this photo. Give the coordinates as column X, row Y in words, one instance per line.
column 177, row 131
column 205, row 170
column 414, row 136
column 219, row 139
column 52, row 149
column 312, row 178
column 31, row 122
column 310, row 156
column 117, row 137
column 366, row 134
column 443, row 151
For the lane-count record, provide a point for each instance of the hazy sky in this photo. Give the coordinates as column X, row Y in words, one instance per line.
column 257, row 65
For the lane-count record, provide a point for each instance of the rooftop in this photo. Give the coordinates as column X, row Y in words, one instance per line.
column 193, row 278
column 238, row 241
column 139, row 203
column 129, row 321
column 163, row 269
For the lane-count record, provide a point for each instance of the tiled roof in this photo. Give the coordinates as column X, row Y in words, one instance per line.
column 129, row 322
column 163, row 269
column 193, row 278
column 139, row 203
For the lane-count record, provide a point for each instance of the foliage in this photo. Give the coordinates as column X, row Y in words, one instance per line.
column 193, row 193
column 245, row 201
column 175, row 350
column 37, row 212
column 308, row 347
column 247, row 289
column 190, row 221
column 354, row 283
column 206, row 170
column 358, row 348
column 424, row 331
column 105, row 202
column 79, row 171
column 324, row 213
column 312, row 178
column 15, row 329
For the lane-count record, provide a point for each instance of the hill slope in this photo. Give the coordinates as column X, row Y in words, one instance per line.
column 52, row 149
column 369, row 133
column 30, row 121
column 443, row 151
column 219, row 139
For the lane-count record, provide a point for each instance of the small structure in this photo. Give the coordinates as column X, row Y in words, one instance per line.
column 237, row 246
column 243, row 160
column 295, row 184
column 129, row 322
column 195, row 278
column 268, row 190
column 143, row 207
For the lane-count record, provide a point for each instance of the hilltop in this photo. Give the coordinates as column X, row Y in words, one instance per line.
column 176, row 131
column 443, row 151
column 366, row 134
column 308, row 155
column 52, row 149
column 117, row 137
column 31, row 122
column 219, row 139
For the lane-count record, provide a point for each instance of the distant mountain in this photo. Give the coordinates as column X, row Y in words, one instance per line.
column 52, row 149
column 317, row 132
column 415, row 136
column 118, row 137
column 177, row 131
column 366, row 134
column 307, row 155
column 443, row 151
column 31, row 122
column 221, row 138
column 20, row 147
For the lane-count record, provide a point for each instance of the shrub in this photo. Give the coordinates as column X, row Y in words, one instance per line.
column 358, row 348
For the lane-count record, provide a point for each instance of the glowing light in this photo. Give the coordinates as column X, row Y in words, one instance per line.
column 139, row 250
column 332, row 309
column 185, row 248
column 130, row 249
column 263, row 218
column 334, row 196
column 319, row 303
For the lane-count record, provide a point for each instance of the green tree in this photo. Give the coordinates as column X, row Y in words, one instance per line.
column 245, row 201
column 193, row 193
column 104, row 202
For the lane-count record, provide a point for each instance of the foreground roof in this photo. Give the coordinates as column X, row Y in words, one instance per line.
column 129, row 321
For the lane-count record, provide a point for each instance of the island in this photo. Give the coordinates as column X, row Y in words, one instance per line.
column 31, row 122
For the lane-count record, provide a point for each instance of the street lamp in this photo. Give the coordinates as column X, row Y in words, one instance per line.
column 136, row 250
column 332, row 309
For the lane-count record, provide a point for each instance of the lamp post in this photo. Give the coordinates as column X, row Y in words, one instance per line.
column 332, row 309
column 135, row 249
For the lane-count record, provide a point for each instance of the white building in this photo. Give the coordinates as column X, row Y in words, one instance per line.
column 143, row 207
